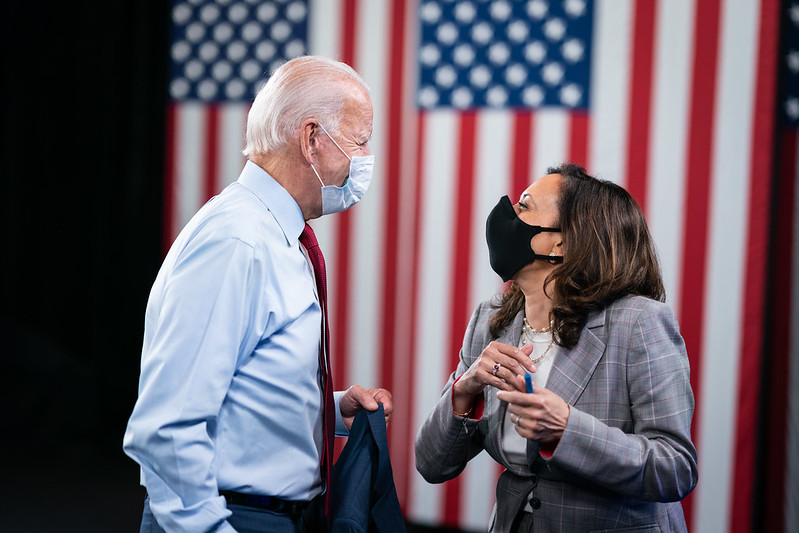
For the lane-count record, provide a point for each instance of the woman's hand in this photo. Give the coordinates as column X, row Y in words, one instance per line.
column 498, row 365
column 541, row 416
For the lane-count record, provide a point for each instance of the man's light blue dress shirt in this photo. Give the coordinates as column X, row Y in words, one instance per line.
column 229, row 394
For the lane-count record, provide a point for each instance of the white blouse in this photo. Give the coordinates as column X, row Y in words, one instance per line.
column 513, row 444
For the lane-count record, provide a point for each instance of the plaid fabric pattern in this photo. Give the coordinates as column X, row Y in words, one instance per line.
column 626, row 455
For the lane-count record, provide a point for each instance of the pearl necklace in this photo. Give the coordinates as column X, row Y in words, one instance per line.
column 527, row 338
column 542, row 330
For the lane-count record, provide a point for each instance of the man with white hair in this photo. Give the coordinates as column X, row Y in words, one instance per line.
column 229, row 427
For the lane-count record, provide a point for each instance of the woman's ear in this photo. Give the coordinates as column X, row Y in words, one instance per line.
column 557, row 248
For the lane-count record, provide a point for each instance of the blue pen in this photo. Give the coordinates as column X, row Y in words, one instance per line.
column 528, row 381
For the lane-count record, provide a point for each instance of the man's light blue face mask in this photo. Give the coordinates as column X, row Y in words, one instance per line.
column 337, row 199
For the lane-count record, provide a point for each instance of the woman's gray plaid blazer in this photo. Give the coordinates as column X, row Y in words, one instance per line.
column 625, row 459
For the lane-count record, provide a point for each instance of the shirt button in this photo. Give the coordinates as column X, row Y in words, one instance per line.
column 535, row 503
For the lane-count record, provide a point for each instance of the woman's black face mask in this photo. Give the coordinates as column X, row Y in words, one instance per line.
column 508, row 239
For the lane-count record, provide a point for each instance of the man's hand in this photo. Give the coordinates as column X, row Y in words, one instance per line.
column 357, row 398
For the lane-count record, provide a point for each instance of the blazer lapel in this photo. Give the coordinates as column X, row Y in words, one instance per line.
column 572, row 369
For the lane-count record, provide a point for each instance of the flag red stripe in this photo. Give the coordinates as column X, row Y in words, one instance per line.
column 398, row 380
column 752, row 321
column 578, row 139
column 349, row 25
column 343, row 238
column 413, row 358
column 698, row 171
column 211, row 152
column 460, row 274
column 776, row 426
column 640, row 100
column 520, row 163
column 170, row 177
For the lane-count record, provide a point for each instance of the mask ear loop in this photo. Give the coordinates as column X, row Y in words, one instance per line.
column 334, row 142
column 552, row 258
column 317, row 175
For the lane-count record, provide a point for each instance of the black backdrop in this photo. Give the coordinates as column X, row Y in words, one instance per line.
column 83, row 99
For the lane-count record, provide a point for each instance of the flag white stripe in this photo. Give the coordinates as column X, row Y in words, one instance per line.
column 407, row 190
column 324, row 36
column 492, row 172
column 671, row 86
column 721, row 348
column 324, row 27
column 432, row 313
column 190, row 129
column 232, row 131
column 326, row 229
column 405, row 359
column 610, row 82
column 366, row 275
column 477, row 493
column 492, row 181
column 550, row 141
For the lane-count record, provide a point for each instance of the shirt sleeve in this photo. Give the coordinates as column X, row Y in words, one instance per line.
column 204, row 306
column 341, row 429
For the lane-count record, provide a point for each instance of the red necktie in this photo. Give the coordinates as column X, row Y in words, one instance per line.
column 308, row 239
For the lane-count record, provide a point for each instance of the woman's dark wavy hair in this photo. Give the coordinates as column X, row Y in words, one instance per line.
column 608, row 254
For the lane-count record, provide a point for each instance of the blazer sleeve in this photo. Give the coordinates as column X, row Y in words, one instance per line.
column 654, row 458
column 445, row 442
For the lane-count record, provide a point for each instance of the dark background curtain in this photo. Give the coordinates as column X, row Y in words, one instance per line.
column 83, row 99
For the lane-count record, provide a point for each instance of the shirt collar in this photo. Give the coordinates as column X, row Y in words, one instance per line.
column 277, row 200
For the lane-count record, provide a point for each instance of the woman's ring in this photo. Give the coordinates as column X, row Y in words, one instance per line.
column 517, row 420
column 496, row 369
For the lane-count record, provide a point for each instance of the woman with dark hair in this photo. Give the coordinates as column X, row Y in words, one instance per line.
column 603, row 442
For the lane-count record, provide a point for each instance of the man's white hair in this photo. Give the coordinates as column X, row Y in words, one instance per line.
column 305, row 87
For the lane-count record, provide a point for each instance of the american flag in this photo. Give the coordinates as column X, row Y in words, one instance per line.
column 673, row 99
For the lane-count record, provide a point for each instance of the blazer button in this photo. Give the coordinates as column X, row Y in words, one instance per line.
column 535, row 503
